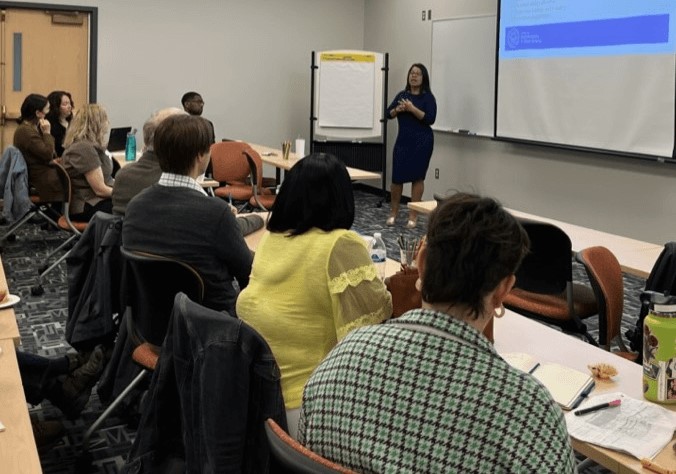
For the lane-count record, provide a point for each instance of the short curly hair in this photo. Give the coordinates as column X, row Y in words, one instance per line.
column 472, row 245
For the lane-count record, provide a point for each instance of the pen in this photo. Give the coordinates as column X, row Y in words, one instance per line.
column 648, row 464
column 534, row 368
column 584, row 411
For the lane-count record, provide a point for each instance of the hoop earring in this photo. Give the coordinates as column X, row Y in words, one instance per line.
column 418, row 284
column 501, row 313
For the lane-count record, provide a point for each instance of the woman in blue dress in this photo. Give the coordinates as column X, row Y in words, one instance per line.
column 415, row 109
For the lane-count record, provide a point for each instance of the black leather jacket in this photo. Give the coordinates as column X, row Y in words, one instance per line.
column 215, row 384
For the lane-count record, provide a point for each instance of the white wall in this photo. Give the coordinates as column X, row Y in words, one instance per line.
column 618, row 195
column 250, row 59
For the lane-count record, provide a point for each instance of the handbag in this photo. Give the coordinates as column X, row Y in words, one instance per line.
column 406, row 297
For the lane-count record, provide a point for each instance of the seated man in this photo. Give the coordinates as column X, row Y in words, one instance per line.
column 194, row 105
column 135, row 177
column 176, row 218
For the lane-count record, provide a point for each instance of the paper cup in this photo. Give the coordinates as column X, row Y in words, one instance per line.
column 300, row 148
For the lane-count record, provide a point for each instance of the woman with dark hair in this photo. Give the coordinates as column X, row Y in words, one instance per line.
column 312, row 279
column 416, row 110
column 427, row 392
column 34, row 140
column 85, row 160
column 59, row 116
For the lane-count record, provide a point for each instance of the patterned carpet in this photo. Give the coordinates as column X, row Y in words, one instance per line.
column 42, row 322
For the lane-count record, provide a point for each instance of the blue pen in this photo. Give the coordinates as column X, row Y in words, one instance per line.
column 230, row 198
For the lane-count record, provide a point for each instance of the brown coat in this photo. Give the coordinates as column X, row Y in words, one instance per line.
column 38, row 151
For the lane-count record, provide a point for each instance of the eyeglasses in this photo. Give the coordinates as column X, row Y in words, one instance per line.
column 413, row 73
column 195, row 101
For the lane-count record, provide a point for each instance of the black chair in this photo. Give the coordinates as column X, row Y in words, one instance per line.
column 295, row 457
column 36, row 206
column 150, row 283
column 544, row 288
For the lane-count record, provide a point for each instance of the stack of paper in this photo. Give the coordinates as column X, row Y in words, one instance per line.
column 639, row 428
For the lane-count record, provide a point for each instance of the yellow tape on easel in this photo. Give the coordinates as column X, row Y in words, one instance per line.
column 357, row 58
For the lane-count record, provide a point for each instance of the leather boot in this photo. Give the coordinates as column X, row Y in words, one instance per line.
column 86, row 376
column 46, row 432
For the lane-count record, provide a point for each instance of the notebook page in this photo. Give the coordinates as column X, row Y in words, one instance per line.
column 564, row 384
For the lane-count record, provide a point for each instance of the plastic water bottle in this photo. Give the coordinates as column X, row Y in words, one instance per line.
column 130, row 148
column 379, row 254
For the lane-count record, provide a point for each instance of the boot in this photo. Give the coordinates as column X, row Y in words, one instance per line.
column 86, row 376
column 46, row 432
column 70, row 404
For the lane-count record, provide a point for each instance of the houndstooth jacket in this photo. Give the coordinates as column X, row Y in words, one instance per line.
column 389, row 399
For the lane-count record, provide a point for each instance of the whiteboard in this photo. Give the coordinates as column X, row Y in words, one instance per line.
column 463, row 73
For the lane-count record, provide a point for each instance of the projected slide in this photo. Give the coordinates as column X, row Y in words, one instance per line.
column 595, row 74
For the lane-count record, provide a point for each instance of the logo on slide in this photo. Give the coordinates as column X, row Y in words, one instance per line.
column 513, row 37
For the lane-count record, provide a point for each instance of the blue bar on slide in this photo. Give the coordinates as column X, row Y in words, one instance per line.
column 645, row 29
column 17, row 53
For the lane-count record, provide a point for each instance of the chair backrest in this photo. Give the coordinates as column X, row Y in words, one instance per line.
column 295, row 457
column 605, row 276
column 548, row 266
column 150, row 284
column 228, row 164
column 67, row 196
column 255, row 167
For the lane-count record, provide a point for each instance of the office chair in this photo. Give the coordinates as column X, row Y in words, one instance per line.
column 295, row 457
column 24, row 207
column 544, row 288
column 262, row 196
column 605, row 276
column 64, row 223
column 230, row 168
column 150, row 283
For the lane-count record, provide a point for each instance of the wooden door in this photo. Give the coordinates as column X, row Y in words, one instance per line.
column 41, row 51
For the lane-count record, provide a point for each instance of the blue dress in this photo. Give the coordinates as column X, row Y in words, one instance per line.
column 415, row 141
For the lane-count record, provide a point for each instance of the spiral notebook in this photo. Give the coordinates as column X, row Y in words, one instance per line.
column 567, row 386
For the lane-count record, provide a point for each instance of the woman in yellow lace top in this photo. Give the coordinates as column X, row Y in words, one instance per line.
column 312, row 279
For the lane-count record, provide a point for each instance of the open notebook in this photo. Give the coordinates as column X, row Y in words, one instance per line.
column 567, row 386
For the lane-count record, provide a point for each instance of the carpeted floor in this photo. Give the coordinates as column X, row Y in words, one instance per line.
column 42, row 322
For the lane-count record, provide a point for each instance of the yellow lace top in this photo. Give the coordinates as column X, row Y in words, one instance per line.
column 305, row 294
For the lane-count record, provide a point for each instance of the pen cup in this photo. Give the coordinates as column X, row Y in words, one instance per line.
column 286, row 148
column 407, row 257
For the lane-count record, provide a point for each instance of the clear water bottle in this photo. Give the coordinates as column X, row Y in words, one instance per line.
column 379, row 254
column 130, row 148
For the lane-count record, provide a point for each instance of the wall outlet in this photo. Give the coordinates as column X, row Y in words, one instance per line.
column 436, row 173
column 423, row 15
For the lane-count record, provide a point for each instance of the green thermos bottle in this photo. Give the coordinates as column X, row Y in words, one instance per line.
column 659, row 348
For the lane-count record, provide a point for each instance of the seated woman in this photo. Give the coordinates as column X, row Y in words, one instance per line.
column 312, row 279
column 59, row 117
column 36, row 144
column 87, row 163
column 427, row 392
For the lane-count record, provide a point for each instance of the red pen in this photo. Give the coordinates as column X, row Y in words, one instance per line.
column 584, row 411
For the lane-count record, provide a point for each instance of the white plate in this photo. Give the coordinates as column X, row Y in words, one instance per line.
column 11, row 301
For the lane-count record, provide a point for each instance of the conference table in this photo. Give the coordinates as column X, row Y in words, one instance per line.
column 635, row 256
column 18, row 452
column 274, row 157
column 516, row 333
